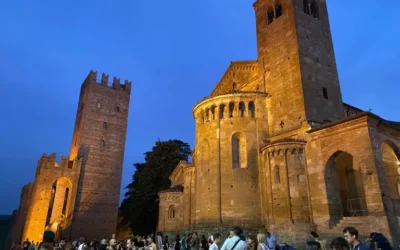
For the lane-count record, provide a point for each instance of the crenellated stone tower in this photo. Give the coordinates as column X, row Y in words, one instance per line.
column 99, row 139
column 79, row 197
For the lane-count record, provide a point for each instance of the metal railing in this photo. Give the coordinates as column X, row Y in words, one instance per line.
column 357, row 206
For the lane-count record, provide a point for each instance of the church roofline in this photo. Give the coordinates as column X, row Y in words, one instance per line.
column 227, row 70
column 351, row 106
column 392, row 124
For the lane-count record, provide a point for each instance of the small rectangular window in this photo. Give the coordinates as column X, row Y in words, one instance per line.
column 325, row 93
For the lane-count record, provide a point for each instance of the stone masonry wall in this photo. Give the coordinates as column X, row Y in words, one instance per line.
column 232, row 197
column 47, row 174
column 99, row 137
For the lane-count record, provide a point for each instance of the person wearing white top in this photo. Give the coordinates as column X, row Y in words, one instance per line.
column 217, row 238
column 234, row 242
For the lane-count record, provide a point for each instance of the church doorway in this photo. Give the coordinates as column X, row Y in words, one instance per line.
column 344, row 187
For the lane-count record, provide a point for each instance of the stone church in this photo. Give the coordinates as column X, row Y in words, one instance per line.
column 79, row 195
column 276, row 148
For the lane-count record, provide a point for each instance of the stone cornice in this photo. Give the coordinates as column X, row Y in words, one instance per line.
column 284, row 141
column 231, row 94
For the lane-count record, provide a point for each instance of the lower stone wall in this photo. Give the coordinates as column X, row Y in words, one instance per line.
column 295, row 235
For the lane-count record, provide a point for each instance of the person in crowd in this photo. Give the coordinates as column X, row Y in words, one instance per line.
column 195, row 242
column 45, row 246
column 252, row 242
column 271, row 241
column 26, row 244
column 313, row 245
column 204, row 243
column 151, row 244
column 235, row 242
column 177, row 245
column 166, row 243
column 339, row 244
column 351, row 235
column 159, row 241
column 315, row 237
column 216, row 240
column 261, row 238
column 183, row 242
column 379, row 241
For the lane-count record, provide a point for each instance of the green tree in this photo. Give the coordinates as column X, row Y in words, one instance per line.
column 140, row 206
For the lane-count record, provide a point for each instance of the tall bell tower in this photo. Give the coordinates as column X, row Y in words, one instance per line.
column 297, row 62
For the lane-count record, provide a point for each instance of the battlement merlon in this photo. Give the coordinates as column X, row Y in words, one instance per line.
column 104, row 81
column 50, row 163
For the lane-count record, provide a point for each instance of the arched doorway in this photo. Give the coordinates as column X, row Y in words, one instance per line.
column 344, row 187
column 391, row 164
column 59, row 204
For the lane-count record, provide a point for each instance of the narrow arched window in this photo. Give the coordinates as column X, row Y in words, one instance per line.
column 102, row 143
column 234, row 86
column 213, row 113
column 239, row 152
column 277, row 175
column 235, row 152
column 278, row 9
column 231, row 109
column 242, row 108
column 207, row 114
column 306, row 7
column 201, row 117
column 221, row 111
column 314, row 9
column 105, row 125
column 252, row 109
column 171, row 212
column 117, row 109
column 270, row 15
column 64, row 208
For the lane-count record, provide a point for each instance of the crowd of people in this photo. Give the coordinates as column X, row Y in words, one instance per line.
column 234, row 241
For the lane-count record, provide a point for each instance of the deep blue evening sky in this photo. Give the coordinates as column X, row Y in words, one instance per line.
column 174, row 52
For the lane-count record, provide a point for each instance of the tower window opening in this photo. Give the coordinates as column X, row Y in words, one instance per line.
column 102, row 143
column 117, row 109
column 277, row 175
column 311, row 8
column 306, row 7
column 234, row 86
column 105, row 125
column 64, row 208
column 171, row 212
column 231, row 109
column 314, row 9
column 242, row 108
column 213, row 113
column 270, row 15
column 221, row 111
column 278, row 10
column 325, row 93
column 98, row 105
column 252, row 110
column 207, row 115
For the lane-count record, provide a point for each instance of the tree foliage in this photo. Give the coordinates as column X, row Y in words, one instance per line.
column 140, row 206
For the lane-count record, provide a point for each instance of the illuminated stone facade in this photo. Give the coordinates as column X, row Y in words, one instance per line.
column 276, row 148
column 79, row 196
